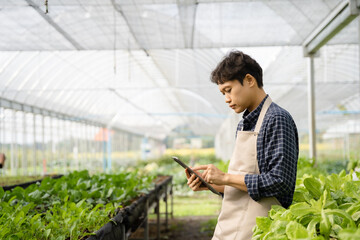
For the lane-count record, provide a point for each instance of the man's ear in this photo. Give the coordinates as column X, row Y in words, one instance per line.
column 250, row 80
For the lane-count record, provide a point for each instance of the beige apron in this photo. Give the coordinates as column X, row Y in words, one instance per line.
column 239, row 211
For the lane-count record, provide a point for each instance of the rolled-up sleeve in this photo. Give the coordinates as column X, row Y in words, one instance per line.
column 280, row 149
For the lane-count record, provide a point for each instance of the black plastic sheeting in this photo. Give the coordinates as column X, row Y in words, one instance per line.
column 130, row 217
column 25, row 185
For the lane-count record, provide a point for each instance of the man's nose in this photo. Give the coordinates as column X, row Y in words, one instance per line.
column 227, row 99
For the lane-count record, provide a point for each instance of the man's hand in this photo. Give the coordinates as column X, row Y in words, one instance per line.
column 194, row 182
column 212, row 174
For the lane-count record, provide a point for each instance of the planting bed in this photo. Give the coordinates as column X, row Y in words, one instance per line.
column 131, row 217
column 80, row 206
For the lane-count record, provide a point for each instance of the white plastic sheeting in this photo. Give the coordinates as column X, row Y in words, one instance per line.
column 145, row 65
column 148, row 24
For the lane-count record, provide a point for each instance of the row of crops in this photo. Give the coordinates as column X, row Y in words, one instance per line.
column 326, row 205
column 72, row 207
column 77, row 205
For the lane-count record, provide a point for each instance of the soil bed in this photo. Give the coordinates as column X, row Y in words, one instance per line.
column 180, row 228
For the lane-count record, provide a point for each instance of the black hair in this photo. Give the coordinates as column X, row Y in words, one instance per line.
column 235, row 65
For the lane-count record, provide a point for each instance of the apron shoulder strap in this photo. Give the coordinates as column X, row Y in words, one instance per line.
column 264, row 109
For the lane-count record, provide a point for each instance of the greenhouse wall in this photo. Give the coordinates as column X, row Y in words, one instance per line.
column 40, row 142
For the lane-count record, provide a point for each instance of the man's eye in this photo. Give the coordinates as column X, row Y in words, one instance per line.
column 228, row 90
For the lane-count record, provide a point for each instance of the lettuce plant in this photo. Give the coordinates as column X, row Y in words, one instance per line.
column 324, row 207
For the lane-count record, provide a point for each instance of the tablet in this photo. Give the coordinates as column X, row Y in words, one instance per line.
column 203, row 182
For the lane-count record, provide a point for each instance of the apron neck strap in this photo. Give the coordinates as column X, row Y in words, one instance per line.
column 264, row 108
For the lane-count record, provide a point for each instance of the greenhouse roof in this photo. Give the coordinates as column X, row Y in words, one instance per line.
column 144, row 65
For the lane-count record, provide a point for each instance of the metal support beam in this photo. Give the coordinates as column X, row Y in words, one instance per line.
column 58, row 129
column 51, row 169
column 104, row 148
column 13, row 158
column 187, row 12
column 55, row 25
column 146, row 221
column 95, row 147
column 34, row 143
column 24, row 146
column 157, row 211
column 65, row 149
column 43, row 148
column 172, row 201
column 311, row 108
column 341, row 16
column 86, row 149
column 166, row 208
column 109, row 149
column 76, row 148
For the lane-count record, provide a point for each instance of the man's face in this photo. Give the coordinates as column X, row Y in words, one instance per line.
column 236, row 95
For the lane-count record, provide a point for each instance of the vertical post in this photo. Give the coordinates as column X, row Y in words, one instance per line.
column 65, row 151
column 75, row 161
column 43, row 148
column 172, row 201
column 2, row 134
column 146, row 221
column 166, row 208
column 13, row 159
column 17, row 147
column 58, row 142
column 359, row 73
column 109, row 149
column 51, row 146
column 24, row 148
column 34, row 142
column 311, row 108
column 104, row 147
column 81, row 144
column 157, row 211
column 93, row 146
column 123, row 231
column 76, row 148
column 2, row 129
column 85, row 145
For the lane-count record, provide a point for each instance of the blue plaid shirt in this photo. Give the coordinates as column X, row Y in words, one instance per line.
column 277, row 154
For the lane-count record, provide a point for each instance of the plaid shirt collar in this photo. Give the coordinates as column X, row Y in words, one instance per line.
column 250, row 118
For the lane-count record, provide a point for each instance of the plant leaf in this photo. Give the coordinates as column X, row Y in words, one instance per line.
column 296, row 231
column 314, row 187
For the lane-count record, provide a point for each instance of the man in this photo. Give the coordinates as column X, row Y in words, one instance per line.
column 262, row 169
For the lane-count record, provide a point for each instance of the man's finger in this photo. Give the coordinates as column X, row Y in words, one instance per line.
column 204, row 174
column 191, row 179
column 187, row 173
column 193, row 184
column 196, row 180
column 201, row 167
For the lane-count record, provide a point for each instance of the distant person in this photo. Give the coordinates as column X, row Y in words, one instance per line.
column 262, row 169
column 2, row 160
